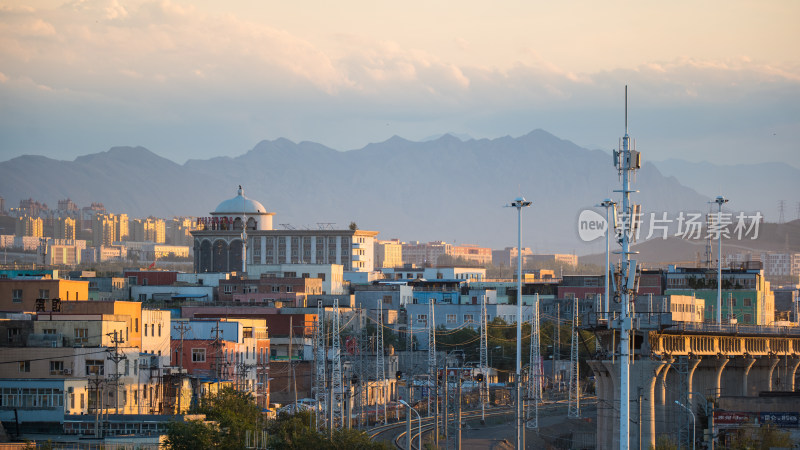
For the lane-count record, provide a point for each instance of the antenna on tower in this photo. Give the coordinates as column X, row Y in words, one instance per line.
column 781, row 208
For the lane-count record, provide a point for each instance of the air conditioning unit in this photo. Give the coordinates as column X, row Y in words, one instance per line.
column 67, row 372
column 70, row 390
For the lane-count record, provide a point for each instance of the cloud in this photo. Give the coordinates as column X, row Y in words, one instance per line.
column 162, row 71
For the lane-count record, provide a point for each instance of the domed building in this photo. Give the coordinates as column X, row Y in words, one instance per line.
column 218, row 241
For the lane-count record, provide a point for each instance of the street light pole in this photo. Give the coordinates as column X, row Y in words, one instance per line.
column 694, row 425
column 607, row 203
column 519, row 203
column 419, row 423
column 720, row 200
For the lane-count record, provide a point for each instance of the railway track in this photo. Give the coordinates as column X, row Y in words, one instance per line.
column 385, row 432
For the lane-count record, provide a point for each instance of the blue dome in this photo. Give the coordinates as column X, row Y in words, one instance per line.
column 240, row 205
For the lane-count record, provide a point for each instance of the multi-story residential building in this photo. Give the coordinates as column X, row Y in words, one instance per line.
column 558, row 259
column 108, row 229
column 150, row 229
column 332, row 275
column 472, row 254
column 424, row 254
column 221, row 350
column 30, row 226
column 64, row 228
column 781, row 263
column 218, row 243
column 290, row 291
column 179, row 230
column 388, row 253
column 18, row 294
column 508, row 256
column 409, row 272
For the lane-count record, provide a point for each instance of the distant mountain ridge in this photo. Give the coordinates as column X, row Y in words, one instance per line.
column 444, row 189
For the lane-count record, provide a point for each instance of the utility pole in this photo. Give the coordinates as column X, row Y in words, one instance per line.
column 291, row 359
column 97, row 382
column 181, row 328
column 557, row 343
column 458, row 411
column 484, row 384
column 216, row 344
column 116, row 357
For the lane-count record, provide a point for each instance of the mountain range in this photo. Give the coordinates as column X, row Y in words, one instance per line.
column 442, row 189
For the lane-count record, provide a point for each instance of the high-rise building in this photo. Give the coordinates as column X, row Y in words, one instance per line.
column 103, row 230
column 179, row 230
column 30, row 226
column 64, row 228
column 149, row 230
column 508, row 256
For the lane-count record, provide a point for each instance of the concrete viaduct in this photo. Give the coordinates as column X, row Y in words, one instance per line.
column 690, row 363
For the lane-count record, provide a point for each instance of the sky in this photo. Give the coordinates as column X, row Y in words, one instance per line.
column 713, row 80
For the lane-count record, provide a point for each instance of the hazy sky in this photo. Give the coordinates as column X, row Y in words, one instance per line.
column 709, row 80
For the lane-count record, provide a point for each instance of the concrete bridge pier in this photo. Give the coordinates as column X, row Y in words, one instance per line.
column 761, row 375
column 661, row 396
column 605, row 405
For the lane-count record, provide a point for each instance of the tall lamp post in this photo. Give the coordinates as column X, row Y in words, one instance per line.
column 519, row 203
column 607, row 203
column 720, row 200
column 419, row 423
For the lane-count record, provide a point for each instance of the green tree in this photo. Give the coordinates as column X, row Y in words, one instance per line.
column 191, row 435
column 235, row 412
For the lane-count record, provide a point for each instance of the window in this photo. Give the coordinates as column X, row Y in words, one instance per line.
column 12, row 334
column 227, row 288
column 468, row 318
column 95, row 367
column 145, row 330
column 50, row 331
column 748, row 318
column 276, row 288
column 321, row 276
column 733, row 301
column 289, row 274
column 142, row 297
column 422, row 318
column 387, row 299
column 81, row 336
column 451, row 318
column 306, row 275
column 159, row 330
column 748, row 301
column 44, row 293
column 136, row 325
column 56, row 367
column 16, row 295
column 198, row 355
column 288, row 289
column 25, row 366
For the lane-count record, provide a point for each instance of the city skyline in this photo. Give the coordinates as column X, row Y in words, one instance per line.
column 708, row 81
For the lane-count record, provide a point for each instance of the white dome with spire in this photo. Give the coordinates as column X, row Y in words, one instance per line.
column 240, row 205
